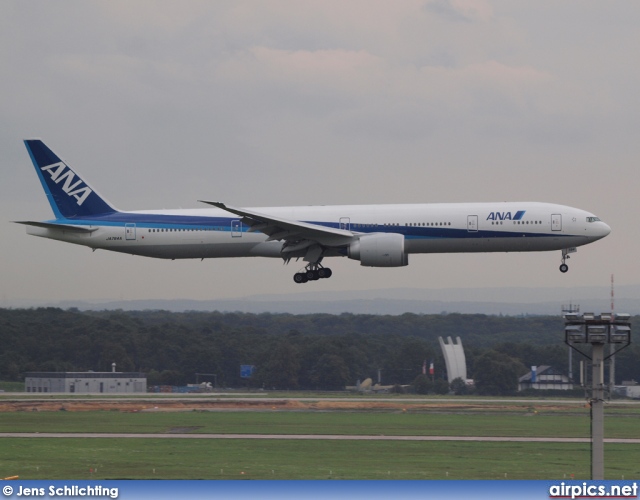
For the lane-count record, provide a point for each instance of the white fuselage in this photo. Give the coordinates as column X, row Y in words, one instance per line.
column 427, row 228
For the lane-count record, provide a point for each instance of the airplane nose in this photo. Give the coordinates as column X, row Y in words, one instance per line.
column 604, row 230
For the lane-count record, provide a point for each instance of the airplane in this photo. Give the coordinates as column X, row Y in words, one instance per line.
column 375, row 235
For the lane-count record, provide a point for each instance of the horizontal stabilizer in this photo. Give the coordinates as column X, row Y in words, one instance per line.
column 58, row 227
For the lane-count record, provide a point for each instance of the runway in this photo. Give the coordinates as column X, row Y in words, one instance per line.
column 315, row 437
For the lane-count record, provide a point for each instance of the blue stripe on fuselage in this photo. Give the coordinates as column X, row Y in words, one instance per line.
column 433, row 233
column 160, row 221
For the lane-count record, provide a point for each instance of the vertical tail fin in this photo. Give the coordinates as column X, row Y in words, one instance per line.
column 69, row 195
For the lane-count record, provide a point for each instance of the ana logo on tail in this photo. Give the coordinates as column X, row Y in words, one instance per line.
column 59, row 172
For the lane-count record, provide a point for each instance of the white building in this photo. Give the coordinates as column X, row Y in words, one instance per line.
column 86, row 382
column 454, row 358
column 628, row 389
column 544, row 378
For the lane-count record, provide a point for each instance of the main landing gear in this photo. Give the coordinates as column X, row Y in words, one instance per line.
column 312, row 272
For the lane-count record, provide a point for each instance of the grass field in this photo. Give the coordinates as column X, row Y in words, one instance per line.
column 343, row 423
column 119, row 458
column 11, row 386
column 277, row 459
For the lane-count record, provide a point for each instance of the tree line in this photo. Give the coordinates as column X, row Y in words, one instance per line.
column 313, row 351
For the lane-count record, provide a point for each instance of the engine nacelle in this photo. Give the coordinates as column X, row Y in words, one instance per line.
column 379, row 250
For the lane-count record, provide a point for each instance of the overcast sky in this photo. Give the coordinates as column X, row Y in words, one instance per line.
column 259, row 103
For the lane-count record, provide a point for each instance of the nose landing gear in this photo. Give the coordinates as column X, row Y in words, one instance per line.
column 565, row 255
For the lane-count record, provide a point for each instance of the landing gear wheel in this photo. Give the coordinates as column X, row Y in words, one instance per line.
column 300, row 278
column 324, row 272
column 565, row 255
column 312, row 275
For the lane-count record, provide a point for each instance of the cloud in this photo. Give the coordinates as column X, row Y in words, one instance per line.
column 460, row 10
column 387, row 93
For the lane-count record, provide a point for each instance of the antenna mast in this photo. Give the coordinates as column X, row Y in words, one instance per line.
column 612, row 298
column 570, row 308
column 612, row 359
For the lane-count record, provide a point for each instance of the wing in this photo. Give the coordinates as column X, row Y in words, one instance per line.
column 298, row 236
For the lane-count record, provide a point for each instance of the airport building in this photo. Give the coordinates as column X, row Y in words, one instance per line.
column 86, row 382
column 628, row 389
column 544, row 377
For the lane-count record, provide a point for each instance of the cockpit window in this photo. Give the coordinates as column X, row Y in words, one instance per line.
column 592, row 219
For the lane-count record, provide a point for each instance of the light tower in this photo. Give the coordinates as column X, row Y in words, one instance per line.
column 597, row 330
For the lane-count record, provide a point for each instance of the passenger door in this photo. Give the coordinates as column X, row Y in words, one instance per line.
column 472, row 223
column 236, row 229
column 130, row 231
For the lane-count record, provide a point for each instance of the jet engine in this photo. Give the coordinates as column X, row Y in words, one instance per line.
column 379, row 250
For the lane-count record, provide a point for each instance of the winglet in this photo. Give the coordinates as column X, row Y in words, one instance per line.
column 218, row 204
column 221, row 205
